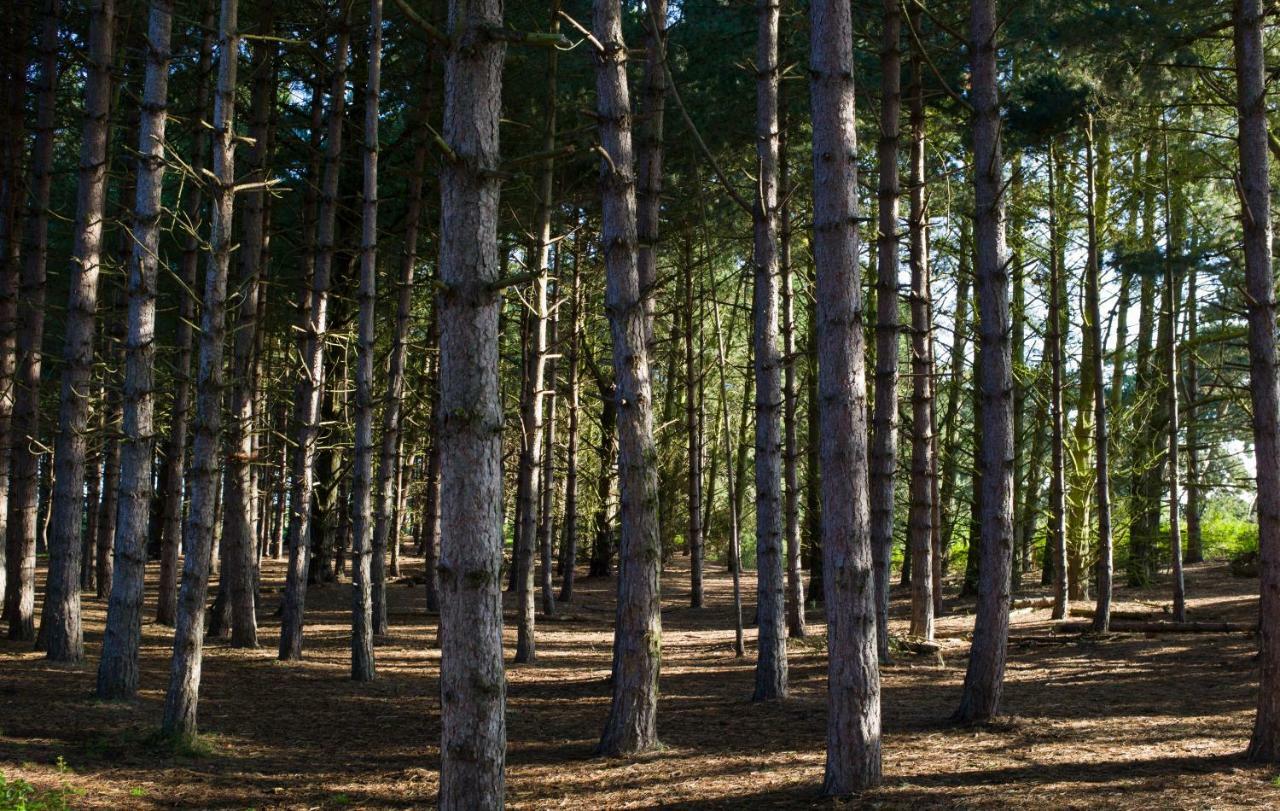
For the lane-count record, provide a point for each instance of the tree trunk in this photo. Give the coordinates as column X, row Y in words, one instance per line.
column 950, row 442
column 1195, row 545
column 118, row 668
column 791, row 448
column 180, row 704
column 1175, row 227
column 472, row 684
column 176, row 449
column 853, row 687
column 1058, row 476
column 984, row 678
column 631, row 727
column 532, row 399
column 569, row 532
column 693, row 434
column 1102, row 613
column 61, row 631
column 311, row 386
column 547, row 516
column 362, row 659
column 771, row 646
column 1264, row 387
column 921, row 512
column 884, row 420
column 15, row 67
column 105, row 539
column 239, row 548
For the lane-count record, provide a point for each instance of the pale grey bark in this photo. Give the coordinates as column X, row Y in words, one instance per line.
column 61, row 631
column 637, row 645
column 472, row 682
column 853, row 681
column 20, row 533
column 984, row 678
column 118, row 668
column 182, row 697
column 311, row 385
column 1264, row 746
column 884, row 419
column 362, row 658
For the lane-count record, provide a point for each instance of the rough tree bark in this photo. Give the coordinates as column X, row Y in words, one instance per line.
column 791, row 447
column 60, row 630
column 533, row 397
column 771, row 646
column 238, row 544
column 920, row 513
column 20, row 533
column 118, row 668
column 569, row 532
column 1102, row 612
column 181, row 700
column 984, row 678
column 362, row 659
column 176, row 448
column 1264, row 746
column 884, row 420
column 853, row 686
column 637, row 645
column 472, row 683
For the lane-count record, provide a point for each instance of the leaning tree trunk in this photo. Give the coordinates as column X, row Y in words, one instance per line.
column 853, row 681
column 1264, row 746
column 637, row 643
column 920, row 512
column 771, row 647
column 180, row 703
column 60, row 631
column 24, row 451
column 176, row 448
column 118, row 668
column 311, row 385
column 1102, row 612
column 472, row 683
column 984, row 678
column 884, row 420
column 362, row 660
column 238, row 545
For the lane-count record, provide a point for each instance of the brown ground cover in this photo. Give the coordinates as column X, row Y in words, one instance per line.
column 1129, row 721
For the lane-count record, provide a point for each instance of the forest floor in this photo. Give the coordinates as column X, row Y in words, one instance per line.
column 1126, row 721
